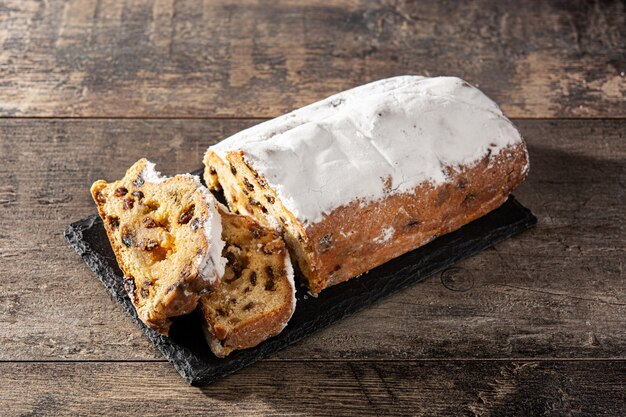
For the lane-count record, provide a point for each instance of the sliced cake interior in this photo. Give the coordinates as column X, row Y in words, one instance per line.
column 256, row 296
column 166, row 235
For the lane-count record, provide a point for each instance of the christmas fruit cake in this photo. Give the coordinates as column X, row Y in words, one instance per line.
column 256, row 296
column 368, row 174
column 166, row 235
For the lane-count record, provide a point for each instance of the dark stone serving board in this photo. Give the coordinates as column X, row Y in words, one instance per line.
column 186, row 347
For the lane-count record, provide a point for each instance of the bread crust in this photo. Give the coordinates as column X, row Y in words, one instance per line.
column 247, row 334
column 355, row 238
column 250, row 331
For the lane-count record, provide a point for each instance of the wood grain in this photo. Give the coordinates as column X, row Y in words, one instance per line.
column 557, row 291
column 393, row 388
column 191, row 58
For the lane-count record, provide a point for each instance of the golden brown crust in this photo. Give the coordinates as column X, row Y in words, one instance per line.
column 348, row 245
column 352, row 239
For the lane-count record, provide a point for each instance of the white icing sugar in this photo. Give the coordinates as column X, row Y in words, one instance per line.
column 385, row 235
column 385, row 137
column 150, row 174
column 290, row 278
column 213, row 264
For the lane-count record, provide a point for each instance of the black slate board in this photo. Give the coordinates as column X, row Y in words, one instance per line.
column 186, row 348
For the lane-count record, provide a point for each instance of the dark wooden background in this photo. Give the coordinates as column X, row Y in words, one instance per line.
column 534, row 326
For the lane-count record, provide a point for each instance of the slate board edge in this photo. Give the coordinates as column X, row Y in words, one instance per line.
column 176, row 356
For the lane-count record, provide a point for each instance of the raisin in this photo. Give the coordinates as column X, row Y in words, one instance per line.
column 249, row 306
column 269, row 285
column 254, row 202
column 462, row 183
column 186, row 215
column 468, row 199
column 300, row 238
column 270, row 199
column 234, row 262
column 114, row 221
column 120, row 192
column 248, row 185
column 100, row 198
column 233, row 170
column 263, row 210
column 256, row 232
column 139, row 181
column 262, row 182
column 270, row 272
column 413, row 223
column 150, row 244
column 325, row 243
column 195, row 224
column 129, row 286
column 186, row 272
column 129, row 203
column 212, row 171
column 149, row 223
column 138, row 194
column 337, row 102
column 337, row 268
column 253, row 278
column 127, row 237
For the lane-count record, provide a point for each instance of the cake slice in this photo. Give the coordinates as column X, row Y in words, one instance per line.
column 256, row 296
column 166, row 235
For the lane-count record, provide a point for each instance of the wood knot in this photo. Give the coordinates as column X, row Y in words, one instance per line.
column 457, row 279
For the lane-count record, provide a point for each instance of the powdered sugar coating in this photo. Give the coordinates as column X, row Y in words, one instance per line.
column 150, row 174
column 212, row 265
column 385, row 235
column 290, row 278
column 382, row 138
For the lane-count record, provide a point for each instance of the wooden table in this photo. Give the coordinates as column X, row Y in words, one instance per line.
column 534, row 326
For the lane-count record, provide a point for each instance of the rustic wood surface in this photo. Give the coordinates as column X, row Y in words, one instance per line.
column 193, row 58
column 321, row 388
column 534, row 326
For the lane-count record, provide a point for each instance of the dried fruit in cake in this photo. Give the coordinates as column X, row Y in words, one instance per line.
column 166, row 235
column 371, row 173
column 256, row 296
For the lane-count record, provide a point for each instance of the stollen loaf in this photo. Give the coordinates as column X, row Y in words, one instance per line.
column 368, row 174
